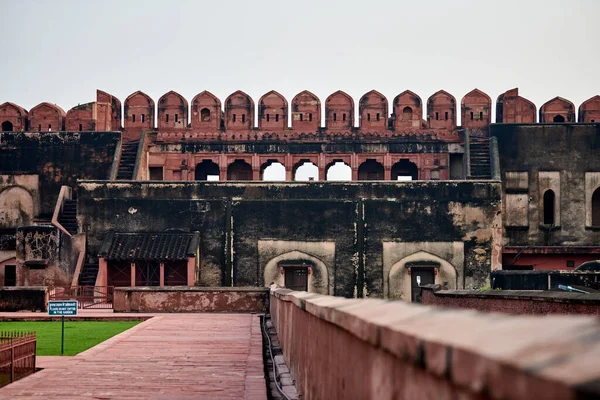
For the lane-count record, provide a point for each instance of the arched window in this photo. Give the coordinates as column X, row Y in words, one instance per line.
column 272, row 171
column 339, row 171
column 407, row 114
column 549, row 205
column 207, row 171
column 239, row 170
column 370, row 170
column 306, row 171
column 405, row 171
column 596, row 208
column 7, row 126
column 559, row 118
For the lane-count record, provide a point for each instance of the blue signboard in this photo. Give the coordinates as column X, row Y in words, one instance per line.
column 66, row 307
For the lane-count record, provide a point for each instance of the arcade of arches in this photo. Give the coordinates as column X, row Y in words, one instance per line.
column 301, row 167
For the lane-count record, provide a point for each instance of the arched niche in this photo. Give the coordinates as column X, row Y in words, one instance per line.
column 16, row 207
column 399, row 280
column 318, row 279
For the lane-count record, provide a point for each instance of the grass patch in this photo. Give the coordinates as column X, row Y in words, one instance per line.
column 79, row 335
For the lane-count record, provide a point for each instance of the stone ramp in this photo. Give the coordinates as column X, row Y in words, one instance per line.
column 171, row 356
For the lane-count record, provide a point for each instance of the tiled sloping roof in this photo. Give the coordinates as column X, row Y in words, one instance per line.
column 149, row 246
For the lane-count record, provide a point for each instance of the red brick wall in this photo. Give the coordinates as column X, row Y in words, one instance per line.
column 340, row 348
column 515, row 301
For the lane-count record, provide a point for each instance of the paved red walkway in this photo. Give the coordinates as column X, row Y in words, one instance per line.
column 171, row 356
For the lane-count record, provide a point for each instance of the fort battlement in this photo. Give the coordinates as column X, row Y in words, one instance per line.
column 207, row 115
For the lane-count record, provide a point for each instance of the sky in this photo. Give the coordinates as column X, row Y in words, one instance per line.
column 61, row 51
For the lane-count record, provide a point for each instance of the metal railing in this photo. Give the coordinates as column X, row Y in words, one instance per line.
column 87, row 296
column 17, row 355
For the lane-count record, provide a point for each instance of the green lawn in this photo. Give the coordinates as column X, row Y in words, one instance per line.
column 79, row 335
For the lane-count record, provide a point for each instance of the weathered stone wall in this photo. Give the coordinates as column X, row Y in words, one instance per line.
column 30, row 298
column 541, row 157
column 354, row 219
column 371, row 349
column 60, row 158
column 514, row 301
column 190, row 299
column 19, row 200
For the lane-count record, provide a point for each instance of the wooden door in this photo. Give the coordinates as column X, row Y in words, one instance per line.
column 296, row 278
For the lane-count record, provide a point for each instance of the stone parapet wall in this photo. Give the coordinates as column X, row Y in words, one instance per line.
column 190, row 299
column 23, row 298
column 372, row 349
column 514, row 301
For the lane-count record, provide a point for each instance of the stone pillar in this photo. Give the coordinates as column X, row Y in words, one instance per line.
column 162, row 274
column 132, row 274
column 354, row 174
column 387, row 174
column 223, row 167
column 102, row 279
column 191, row 269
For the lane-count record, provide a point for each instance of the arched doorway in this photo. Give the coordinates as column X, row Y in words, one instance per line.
column 207, row 170
column 306, row 171
column 596, row 208
column 239, row 170
column 338, row 171
column 370, row 170
column 317, row 272
column 272, row 171
column 405, row 170
column 559, row 118
column 7, row 126
column 205, row 115
column 549, row 205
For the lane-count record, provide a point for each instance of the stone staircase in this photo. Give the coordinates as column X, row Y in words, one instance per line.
column 68, row 216
column 480, row 158
column 127, row 161
column 88, row 275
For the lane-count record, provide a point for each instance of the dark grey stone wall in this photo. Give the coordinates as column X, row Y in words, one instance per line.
column 357, row 216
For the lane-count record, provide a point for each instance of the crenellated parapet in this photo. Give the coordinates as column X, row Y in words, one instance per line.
column 237, row 114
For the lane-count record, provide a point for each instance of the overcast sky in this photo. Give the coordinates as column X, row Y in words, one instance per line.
column 62, row 51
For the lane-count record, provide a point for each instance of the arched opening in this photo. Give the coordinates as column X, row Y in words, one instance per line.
column 317, row 276
column 339, row 171
column 272, row 171
column 407, row 113
column 596, row 208
column 306, row 171
column 7, row 126
column 205, row 115
column 559, row 118
column 207, row 170
column 549, row 204
column 370, row 170
column 239, row 170
column 405, row 170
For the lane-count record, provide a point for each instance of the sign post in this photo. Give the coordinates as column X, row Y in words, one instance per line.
column 62, row 308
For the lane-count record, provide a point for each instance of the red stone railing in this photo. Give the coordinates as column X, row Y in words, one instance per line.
column 17, row 355
column 340, row 348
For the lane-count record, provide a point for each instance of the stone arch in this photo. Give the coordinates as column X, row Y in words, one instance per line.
column 16, row 115
column 306, row 111
column 47, row 117
column 318, row 280
column 207, row 170
column 172, row 111
column 338, row 170
column 272, row 111
column 16, row 207
column 239, row 111
column 139, row 111
column 405, row 169
column 399, row 285
column 339, row 111
column 7, row 126
column 557, row 110
column 549, row 205
column 441, row 110
column 373, row 110
column 476, row 109
column 371, row 170
column 589, row 110
column 239, row 170
column 414, row 103
column 206, row 101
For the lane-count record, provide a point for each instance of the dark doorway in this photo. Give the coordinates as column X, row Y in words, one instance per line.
column 119, row 274
column 370, row 170
column 559, row 118
column 205, row 115
column 207, row 171
column 405, row 171
column 296, row 277
column 7, row 126
column 176, row 273
column 549, row 200
column 10, row 275
column 427, row 278
column 156, row 173
column 596, row 208
column 239, row 170
column 147, row 273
